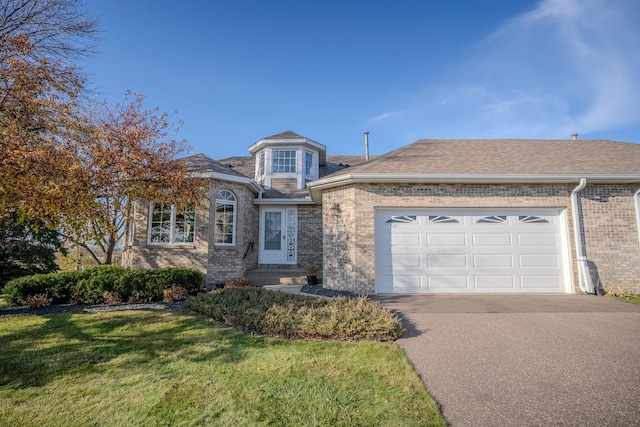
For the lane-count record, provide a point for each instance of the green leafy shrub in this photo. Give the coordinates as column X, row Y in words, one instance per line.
column 105, row 278
column 38, row 301
column 57, row 285
column 89, row 286
column 296, row 316
column 150, row 284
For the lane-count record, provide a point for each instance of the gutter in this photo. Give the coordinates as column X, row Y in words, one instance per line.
column 283, row 201
column 584, row 278
column 316, row 187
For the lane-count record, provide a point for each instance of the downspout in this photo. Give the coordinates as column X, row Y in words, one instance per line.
column 636, row 202
column 584, row 278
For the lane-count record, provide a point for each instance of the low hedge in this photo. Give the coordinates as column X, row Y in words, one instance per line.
column 89, row 286
column 295, row 316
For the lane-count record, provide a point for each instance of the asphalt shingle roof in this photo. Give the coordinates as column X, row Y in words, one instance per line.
column 199, row 163
column 506, row 156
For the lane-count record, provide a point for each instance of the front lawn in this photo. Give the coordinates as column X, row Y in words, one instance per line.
column 633, row 299
column 174, row 368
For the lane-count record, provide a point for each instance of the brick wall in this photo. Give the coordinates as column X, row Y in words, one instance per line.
column 141, row 255
column 219, row 263
column 610, row 234
column 227, row 262
column 310, row 236
column 349, row 256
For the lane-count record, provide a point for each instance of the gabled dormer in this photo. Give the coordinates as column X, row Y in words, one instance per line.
column 288, row 159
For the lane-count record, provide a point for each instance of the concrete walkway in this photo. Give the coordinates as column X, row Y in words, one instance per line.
column 525, row 360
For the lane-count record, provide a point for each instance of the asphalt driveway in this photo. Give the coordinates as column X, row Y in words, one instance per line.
column 525, row 360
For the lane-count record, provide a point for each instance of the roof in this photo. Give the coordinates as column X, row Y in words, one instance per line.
column 495, row 161
column 246, row 165
column 200, row 163
column 506, row 156
column 285, row 135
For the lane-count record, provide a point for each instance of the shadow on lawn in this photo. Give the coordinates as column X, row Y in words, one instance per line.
column 36, row 352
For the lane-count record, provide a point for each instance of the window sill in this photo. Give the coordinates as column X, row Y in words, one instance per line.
column 223, row 246
column 172, row 245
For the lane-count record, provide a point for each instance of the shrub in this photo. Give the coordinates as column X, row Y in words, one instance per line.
column 297, row 316
column 89, row 286
column 150, row 284
column 138, row 297
column 238, row 282
column 38, row 301
column 57, row 285
column 111, row 298
column 174, row 293
column 91, row 290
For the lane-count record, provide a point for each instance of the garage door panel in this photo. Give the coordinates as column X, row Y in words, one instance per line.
column 406, row 261
column 494, row 282
column 439, row 251
column 538, row 239
column 493, row 260
column 491, row 239
column 448, row 282
column 453, row 239
column 403, row 239
column 408, row 283
column 447, row 260
column 545, row 283
column 538, row 260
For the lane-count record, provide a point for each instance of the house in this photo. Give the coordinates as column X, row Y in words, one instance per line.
column 435, row 216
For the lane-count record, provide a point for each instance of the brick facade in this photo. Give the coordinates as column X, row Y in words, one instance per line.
column 310, row 236
column 219, row 263
column 227, row 262
column 611, row 236
column 609, row 220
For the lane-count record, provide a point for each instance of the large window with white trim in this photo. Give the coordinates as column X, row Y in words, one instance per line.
column 284, row 161
column 225, row 218
column 168, row 225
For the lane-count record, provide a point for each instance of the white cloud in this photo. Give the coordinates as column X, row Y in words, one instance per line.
column 383, row 116
column 566, row 66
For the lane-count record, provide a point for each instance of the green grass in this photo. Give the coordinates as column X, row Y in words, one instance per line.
column 170, row 368
column 633, row 299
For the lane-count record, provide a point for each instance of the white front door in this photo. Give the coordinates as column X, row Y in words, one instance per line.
column 278, row 235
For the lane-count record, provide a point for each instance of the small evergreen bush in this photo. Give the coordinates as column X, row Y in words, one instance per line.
column 296, row 316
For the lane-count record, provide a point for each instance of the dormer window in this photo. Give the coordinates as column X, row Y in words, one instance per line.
column 284, row 161
column 308, row 163
column 261, row 164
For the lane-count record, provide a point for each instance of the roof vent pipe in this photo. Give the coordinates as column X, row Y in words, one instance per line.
column 366, row 145
column 574, row 136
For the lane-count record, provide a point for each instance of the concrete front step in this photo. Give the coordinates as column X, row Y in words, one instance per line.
column 271, row 276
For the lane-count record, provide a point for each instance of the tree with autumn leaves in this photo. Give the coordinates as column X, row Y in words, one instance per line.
column 63, row 169
column 129, row 155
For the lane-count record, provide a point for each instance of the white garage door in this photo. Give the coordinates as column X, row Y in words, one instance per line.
column 419, row 251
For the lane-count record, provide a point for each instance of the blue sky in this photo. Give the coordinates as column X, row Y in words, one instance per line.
column 239, row 70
